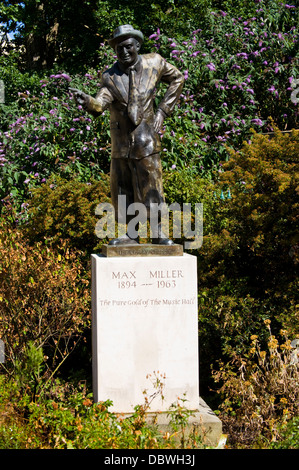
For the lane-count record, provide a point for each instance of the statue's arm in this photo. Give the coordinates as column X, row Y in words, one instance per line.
column 95, row 105
column 171, row 75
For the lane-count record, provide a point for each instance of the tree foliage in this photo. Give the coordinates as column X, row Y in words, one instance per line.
column 71, row 32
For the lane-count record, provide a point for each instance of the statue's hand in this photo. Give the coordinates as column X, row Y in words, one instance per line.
column 80, row 97
column 159, row 119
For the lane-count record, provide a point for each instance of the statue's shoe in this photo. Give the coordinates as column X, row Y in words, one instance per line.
column 123, row 240
column 162, row 241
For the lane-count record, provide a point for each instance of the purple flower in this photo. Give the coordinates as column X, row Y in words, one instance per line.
column 62, row 75
column 257, row 121
column 43, row 118
column 242, row 54
column 211, row 66
column 66, row 77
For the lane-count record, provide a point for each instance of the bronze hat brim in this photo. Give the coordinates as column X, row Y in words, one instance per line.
column 126, row 35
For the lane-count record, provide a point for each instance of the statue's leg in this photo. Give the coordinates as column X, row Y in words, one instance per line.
column 122, row 195
column 148, row 189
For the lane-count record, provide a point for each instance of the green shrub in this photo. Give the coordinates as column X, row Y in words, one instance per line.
column 65, row 417
column 65, row 210
column 184, row 186
column 289, row 435
column 260, row 394
column 44, row 299
column 248, row 262
column 28, row 370
column 263, row 210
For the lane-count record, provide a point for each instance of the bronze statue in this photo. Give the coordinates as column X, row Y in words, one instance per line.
column 128, row 89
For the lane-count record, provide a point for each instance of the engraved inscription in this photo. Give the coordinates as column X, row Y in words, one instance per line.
column 124, row 275
column 166, row 274
column 125, row 279
column 146, row 302
column 161, row 278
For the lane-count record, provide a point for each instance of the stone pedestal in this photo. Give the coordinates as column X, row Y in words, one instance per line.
column 145, row 330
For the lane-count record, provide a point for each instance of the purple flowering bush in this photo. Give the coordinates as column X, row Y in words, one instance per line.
column 47, row 133
column 239, row 74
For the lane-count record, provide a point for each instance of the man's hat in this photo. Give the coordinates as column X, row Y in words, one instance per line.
column 124, row 32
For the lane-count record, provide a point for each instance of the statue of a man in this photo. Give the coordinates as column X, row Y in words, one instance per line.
column 128, row 89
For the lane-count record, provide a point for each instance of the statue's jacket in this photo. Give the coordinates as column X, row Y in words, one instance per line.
column 128, row 140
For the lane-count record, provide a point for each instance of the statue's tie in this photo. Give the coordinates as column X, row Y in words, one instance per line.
column 134, row 111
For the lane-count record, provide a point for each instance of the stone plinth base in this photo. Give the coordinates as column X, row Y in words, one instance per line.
column 145, row 331
column 204, row 422
column 145, row 249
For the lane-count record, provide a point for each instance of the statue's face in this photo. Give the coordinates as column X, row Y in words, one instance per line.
column 127, row 52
